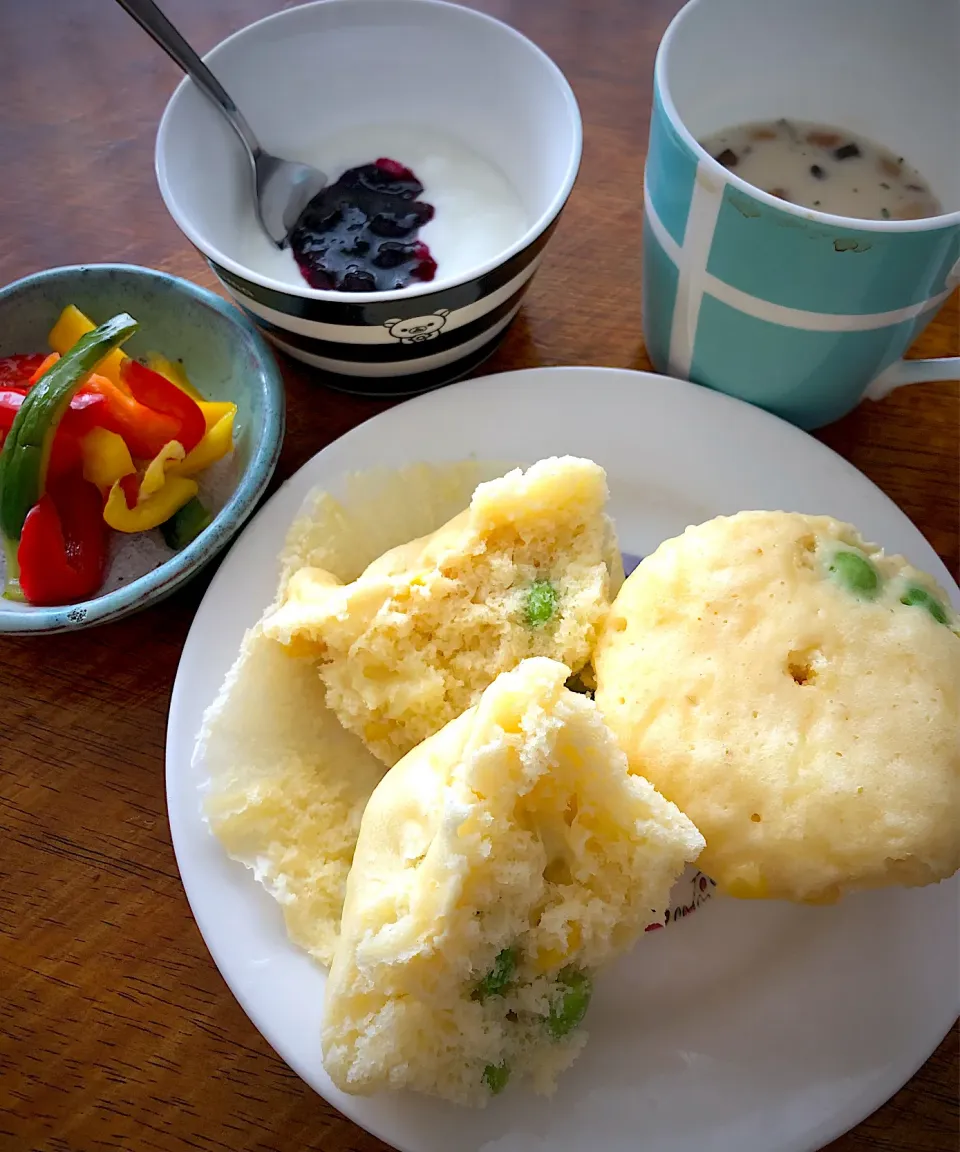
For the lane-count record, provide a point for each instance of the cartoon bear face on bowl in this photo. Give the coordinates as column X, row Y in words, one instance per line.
column 417, row 328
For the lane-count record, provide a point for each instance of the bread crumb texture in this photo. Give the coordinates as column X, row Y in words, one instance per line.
column 796, row 692
column 528, row 569
column 284, row 786
column 499, row 865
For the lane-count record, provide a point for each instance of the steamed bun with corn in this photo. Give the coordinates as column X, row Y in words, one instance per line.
column 499, row 864
column 797, row 693
column 528, row 569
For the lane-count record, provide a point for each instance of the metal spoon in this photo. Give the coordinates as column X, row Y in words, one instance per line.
column 282, row 188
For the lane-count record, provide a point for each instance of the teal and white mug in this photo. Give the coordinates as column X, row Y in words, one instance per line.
column 795, row 310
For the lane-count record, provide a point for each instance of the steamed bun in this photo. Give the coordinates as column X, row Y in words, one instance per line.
column 284, row 784
column 498, row 866
column 528, row 569
column 286, row 787
column 797, row 693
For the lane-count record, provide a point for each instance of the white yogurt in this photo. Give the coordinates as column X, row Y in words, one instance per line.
column 478, row 213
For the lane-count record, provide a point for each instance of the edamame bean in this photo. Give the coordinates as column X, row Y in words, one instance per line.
column 541, row 603
column 495, row 1076
column 855, row 573
column 915, row 597
column 571, row 1006
column 499, row 976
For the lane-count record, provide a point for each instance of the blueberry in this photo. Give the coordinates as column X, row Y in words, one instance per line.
column 394, row 225
column 335, row 239
column 391, row 255
column 358, row 280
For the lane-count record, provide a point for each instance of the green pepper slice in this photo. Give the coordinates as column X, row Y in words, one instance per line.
column 186, row 524
column 26, row 449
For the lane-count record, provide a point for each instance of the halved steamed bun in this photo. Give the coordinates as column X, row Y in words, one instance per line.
column 529, row 568
column 797, row 693
column 284, row 784
column 498, row 866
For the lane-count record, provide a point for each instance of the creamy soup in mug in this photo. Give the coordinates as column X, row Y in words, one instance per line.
column 823, row 167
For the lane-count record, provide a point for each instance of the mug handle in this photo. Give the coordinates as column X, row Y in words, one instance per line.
column 903, row 372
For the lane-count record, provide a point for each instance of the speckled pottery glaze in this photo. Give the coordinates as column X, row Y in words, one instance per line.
column 222, row 353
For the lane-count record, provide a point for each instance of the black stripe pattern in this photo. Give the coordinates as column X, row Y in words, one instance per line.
column 412, row 328
column 377, row 313
column 394, row 387
column 398, row 351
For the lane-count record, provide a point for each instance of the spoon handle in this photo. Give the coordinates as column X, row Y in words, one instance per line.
column 153, row 22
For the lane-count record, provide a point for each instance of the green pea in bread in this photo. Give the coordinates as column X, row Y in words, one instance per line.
column 797, row 693
column 528, row 569
column 284, row 784
column 499, row 865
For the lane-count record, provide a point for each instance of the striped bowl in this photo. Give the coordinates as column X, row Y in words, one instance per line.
column 331, row 67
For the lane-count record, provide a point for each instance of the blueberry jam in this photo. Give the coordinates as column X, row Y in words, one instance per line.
column 360, row 234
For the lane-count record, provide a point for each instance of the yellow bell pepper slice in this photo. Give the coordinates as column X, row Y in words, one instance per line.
column 213, row 447
column 175, row 374
column 71, row 325
column 155, row 475
column 213, row 410
column 106, row 458
column 151, row 512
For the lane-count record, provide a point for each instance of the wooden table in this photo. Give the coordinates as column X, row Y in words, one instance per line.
column 117, row 1031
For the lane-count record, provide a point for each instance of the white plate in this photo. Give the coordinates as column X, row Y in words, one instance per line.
column 747, row 1027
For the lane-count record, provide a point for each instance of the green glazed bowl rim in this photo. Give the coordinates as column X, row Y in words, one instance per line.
column 170, row 575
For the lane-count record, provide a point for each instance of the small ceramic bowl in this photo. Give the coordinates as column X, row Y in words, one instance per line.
column 343, row 82
column 224, row 357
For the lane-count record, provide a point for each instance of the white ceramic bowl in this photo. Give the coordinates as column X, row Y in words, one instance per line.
column 343, row 69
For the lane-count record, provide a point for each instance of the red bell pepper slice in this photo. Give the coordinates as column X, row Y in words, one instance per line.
column 144, row 430
column 63, row 545
column 154, row 412
column 130, row 487
column 11, row 398
column 160, row 394
column 87, row 410
column 44, row 366
column 15, row 371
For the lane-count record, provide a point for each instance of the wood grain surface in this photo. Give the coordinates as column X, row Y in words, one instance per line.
column 116, row 1030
